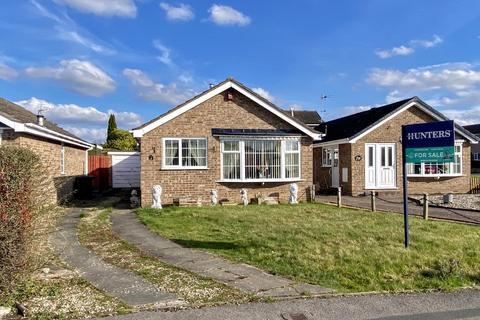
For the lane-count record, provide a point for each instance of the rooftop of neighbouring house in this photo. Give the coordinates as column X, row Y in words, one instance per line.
column 309, row 117
column 16, row 113
column 473, row 128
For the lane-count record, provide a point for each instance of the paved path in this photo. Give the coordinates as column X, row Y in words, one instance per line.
column 395, row 205
column 117, row 282
column 241, row 276
column 427, row 306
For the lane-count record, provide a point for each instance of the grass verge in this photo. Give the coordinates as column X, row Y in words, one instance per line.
column 345, row 249
column 95, row 233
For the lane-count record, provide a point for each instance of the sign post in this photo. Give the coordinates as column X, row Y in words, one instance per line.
column 432, row 142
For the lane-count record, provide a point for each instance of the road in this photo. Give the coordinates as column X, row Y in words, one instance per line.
column 426, row 306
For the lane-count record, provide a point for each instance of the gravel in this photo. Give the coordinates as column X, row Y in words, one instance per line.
column 460, row 201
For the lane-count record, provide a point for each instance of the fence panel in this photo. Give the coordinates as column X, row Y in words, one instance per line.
column 474, row 185
column 100, row 167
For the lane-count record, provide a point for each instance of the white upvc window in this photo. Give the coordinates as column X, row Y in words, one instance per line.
column 260, row 160
column 476, row 156
column 327, row 157
column 184, row 153
column 62, row 159
column 448, row 169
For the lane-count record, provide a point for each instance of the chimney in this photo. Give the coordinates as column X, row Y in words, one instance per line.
column 40, row 119
column 292, row 109
column 211, row 85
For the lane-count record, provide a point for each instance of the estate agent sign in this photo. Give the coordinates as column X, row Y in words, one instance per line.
column 429, row 142
column 425, row 142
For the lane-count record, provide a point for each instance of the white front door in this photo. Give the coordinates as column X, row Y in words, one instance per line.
column 335, row 168
column 380, row 166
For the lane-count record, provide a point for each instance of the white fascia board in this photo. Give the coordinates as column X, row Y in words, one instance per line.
column 329, row 143
column 227, row 85
column 52, row 137
column 68, row 139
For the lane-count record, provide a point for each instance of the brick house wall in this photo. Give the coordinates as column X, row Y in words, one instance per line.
column 56, row 186
column 391, row 132
column 217, row 112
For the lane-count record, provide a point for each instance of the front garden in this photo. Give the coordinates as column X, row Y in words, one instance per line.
column 344, row 249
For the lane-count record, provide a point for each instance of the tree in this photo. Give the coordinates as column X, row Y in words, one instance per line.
column 112, row 126
column 121, row 140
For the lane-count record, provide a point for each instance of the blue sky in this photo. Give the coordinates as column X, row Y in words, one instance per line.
column 82, row 59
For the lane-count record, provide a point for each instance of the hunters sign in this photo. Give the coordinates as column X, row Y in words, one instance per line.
column 429, row 142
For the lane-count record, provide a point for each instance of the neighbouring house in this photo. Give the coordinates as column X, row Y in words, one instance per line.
column 63, row 156
column 475, row 154
column 362, row 152
column 227, row 138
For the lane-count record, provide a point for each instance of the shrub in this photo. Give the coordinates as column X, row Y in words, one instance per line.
column 19, row 172
column 121, row 140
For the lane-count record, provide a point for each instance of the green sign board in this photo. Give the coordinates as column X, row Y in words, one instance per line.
column 432, row 154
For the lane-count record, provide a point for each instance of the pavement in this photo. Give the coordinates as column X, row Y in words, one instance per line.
column 463, row 304
column 392, row 204
column 241, row 276
column 117, row 282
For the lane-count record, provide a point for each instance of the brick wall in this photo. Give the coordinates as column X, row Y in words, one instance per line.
column 55, row 186
column 217, row 112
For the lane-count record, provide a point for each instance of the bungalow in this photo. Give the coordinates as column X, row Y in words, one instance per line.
column 362, row 152
column 227, row 138
column 63, row 156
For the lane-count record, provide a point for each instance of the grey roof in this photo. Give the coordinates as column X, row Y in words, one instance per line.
column 16, row 113
column 354, row 125
column 310, row 117
column 297, row 120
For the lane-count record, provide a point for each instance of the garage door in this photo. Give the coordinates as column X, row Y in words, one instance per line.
column 125, row 169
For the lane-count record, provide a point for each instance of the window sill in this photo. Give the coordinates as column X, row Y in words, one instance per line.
column 260, row 180
column 434, row 176
column 182, row 168
column 326, row 166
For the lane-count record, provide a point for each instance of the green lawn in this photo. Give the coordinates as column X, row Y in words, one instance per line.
column 345, row 249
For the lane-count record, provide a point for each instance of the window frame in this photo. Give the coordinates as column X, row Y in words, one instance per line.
column 243, row 179
column 180, row 165
column 476, row 156
column 451, row 166
column 327, row 160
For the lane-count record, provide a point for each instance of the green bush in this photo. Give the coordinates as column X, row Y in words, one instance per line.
column 121, row 140
column 19, row 172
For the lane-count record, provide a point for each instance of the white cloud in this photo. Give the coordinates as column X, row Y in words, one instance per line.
column 67, row 30
column 74, row 36
column 182, row 12
column 396, row 51
column 264, row 93
column 355, row 109
column 165, row 53
column 405, row 50
column 464, row 116
column 80, row 76
column 436, row 40
column 450, row 76
column 7, row 72
column 149, row 90
column 86, row 122
column 225, row 16
column 108, row 8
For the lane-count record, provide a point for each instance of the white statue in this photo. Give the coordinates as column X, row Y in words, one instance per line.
column 134, row 202
column 293, row 199
column 156, row 193
column 213, row 197
column 244, row 196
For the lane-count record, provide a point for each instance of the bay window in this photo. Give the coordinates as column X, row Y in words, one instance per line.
column 260, row 160
column 184, row 153
column 438, row 169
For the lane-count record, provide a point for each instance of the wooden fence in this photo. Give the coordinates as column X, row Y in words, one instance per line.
column 474, row 184
column 100, row 168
